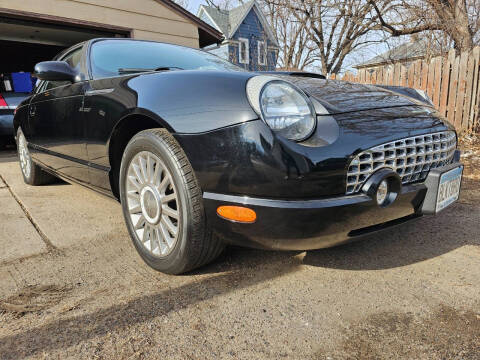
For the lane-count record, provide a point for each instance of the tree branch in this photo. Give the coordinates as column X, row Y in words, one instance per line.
column 400, row 32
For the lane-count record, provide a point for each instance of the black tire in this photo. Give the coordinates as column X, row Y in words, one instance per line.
column 32, row 173
column 196, row 245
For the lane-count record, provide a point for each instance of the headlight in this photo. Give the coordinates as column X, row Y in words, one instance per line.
column 283, row 107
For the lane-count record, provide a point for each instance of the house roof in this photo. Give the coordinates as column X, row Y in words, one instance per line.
column 228, row 21
column 220, row 18
column 237, row 15
column 207, row 34
column 407, row 51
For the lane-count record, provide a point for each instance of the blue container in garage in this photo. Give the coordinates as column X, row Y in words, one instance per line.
column 22, row 82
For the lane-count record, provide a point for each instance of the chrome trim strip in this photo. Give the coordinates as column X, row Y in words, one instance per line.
column 98, row 92
column 290, row 204
column 67, row 157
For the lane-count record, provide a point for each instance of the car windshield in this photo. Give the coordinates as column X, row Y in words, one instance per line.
column 116, row 57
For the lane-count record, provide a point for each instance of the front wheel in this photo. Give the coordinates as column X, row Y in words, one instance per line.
column 32, row 173
column 162, row 204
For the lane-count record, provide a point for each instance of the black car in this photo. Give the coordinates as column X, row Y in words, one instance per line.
column 8, row 103
column 201, row 153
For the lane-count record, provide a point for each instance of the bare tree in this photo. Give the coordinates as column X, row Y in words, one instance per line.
column 296, row 50
column 326, row 32
column 336, row 28
column 458, row 19
column 316, row 32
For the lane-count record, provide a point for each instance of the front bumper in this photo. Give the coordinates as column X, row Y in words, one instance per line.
column 314, row 224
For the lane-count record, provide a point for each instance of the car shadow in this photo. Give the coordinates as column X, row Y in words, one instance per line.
column 426, row 238
column 73, row 330
column 236, row 258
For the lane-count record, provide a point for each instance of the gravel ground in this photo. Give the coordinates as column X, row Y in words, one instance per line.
column 411, row 293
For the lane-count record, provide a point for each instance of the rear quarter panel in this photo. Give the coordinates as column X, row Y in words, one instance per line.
column 21, row 118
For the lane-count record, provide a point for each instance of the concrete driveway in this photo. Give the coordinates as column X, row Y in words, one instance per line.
column 72, row 286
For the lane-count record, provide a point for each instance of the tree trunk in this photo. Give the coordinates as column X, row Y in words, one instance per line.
column 453, row 19
column 461, row 33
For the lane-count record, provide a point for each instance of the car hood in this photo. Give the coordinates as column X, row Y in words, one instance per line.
column 367, row 115
column 341, row 96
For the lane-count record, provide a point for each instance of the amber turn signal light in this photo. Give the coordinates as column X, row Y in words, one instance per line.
column 237, row 214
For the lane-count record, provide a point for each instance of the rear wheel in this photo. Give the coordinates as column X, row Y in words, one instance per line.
column 162, row 204
column 32, row 173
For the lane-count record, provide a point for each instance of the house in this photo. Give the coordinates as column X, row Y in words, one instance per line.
column 249, row 40
column 36, row 30
column 405, row 54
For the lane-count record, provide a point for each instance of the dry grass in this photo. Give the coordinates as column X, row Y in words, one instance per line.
column 469, row 144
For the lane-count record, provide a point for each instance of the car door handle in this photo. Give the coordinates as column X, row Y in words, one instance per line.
column 32, row 110
column 98, row 92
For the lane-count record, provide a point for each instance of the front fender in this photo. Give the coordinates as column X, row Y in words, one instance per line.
column 416, row 94
column 194, row 101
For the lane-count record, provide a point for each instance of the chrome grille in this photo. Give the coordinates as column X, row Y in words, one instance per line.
column 412, row 158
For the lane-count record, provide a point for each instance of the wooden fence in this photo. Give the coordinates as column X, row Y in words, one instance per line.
column 452, row 83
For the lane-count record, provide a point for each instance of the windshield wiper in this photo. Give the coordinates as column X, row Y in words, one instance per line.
column 122, row 71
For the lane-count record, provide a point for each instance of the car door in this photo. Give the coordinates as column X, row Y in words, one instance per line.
column 107, row 99
column 105, row 103
column 57, row 126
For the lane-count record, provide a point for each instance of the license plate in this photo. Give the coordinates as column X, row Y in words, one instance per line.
column 449, row 188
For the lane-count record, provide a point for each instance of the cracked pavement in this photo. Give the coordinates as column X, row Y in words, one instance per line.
column 72, row 285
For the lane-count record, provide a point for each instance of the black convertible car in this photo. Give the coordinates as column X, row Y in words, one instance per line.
column 201, row 153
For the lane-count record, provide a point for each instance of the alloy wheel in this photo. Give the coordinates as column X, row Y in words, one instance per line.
column 24, row 155
column 152, row 203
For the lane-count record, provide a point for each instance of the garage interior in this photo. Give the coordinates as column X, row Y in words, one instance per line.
column 23, row 43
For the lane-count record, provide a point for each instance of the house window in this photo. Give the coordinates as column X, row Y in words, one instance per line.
column 262, row 53
column 243, row 51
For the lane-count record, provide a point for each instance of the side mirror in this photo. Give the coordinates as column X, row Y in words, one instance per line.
column 55, row 71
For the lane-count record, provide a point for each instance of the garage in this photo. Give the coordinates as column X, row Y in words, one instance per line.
column 36, row 30
column 24, row 43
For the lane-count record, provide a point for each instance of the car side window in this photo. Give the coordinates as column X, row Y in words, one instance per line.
column 73, row 59
column 39, row 86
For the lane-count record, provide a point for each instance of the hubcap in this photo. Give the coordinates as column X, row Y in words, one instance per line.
column 152, row 203
column 24, row 155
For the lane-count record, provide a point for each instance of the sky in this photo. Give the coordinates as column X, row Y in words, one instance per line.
column 194, row 4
